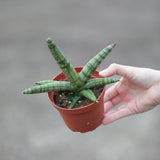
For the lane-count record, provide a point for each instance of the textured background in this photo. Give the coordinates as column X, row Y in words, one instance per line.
column 30, row 128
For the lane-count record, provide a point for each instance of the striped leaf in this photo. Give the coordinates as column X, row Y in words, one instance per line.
column 92, row 65
column 44, row 82
column 88, row 94
column 74, row 101
column 96, row 82
column 54, row 86
column 63, row 63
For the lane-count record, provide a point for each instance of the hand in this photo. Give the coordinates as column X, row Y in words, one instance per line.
column 138, row 89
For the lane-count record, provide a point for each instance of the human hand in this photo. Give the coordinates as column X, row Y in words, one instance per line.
column 138, row 89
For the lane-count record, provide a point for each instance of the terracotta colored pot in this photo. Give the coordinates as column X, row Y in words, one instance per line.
column 82, row 119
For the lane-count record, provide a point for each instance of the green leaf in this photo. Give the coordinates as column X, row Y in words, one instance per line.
column 70, row 97
column 74, row 101
column 63, row 63
column 96, row 82
column 48, row 87
column 88, row 94
column 44, row 82
column 92, row 65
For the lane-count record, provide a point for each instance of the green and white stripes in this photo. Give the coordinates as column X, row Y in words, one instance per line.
column 63, row 63
column 88, row 94
column 44, row 82
column 98, row 82
column 80, row 84
column 50, row 86
column 92, row 65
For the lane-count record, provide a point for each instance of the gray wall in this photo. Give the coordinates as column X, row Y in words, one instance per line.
column 30, row 128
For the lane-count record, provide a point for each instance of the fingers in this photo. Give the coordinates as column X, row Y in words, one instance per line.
column 116, row 69
column 111, row 93
column 117, row 93
column 118, row 90
column 112, row 97
column 112, row 116
column 112, row 103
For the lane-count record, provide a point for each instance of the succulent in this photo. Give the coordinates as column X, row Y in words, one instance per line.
column 80, row 84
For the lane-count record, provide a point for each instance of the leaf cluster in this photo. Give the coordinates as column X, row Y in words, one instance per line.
column 80, row 84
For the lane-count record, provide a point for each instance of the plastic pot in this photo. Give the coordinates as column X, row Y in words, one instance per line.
column 82, row 119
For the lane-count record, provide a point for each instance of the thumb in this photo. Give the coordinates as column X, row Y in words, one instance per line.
column 117, row 69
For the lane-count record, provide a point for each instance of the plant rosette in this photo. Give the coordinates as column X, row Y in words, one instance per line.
column 81, row 81
column 81, row 119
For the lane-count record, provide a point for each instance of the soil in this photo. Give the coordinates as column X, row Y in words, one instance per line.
column 60, row 100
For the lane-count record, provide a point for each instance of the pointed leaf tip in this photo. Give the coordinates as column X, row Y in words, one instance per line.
column 113, row 45
column 49, row 40
column 24, row 92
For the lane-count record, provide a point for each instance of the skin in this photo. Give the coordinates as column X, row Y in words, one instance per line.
column 138, row 90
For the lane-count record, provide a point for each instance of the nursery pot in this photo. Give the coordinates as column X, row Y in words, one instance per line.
column 82, row 119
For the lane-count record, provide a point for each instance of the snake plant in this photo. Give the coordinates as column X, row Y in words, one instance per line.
column 80, row 84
